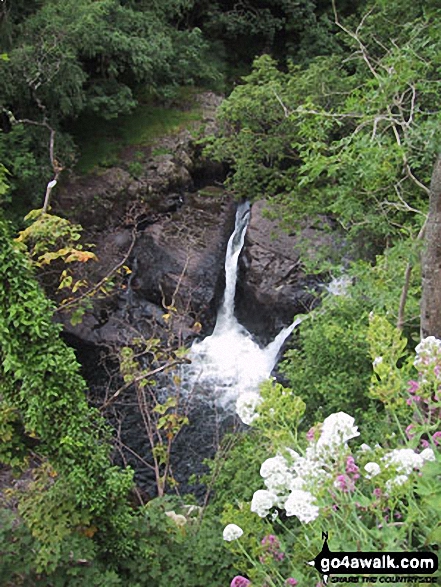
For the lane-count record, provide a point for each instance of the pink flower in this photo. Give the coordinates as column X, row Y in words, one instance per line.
column 344, row 483
column 413, row 386
column 271, row 546
column 240, row 581
column 270, row 539
column 425, row 443
column 408, row 431
column 377, row 492
column 310, row 435
column 437, row 438
column 351, row 467
column 291, row 581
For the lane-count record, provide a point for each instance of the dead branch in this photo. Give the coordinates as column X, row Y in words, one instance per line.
column 356, row 38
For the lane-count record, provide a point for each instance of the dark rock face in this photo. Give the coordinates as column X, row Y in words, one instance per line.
column 273, row 287
column 177, row 261
column 173, row 238
column 180, row 258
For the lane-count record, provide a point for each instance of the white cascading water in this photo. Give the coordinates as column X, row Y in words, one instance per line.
column 229, row 362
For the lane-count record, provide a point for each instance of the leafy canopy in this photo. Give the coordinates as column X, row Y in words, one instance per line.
column 353, row 134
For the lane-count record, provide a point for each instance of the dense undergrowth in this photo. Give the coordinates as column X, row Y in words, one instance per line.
column 100, row 142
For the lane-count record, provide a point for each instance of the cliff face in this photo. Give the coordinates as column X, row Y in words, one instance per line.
column 170, row 227
column 176, row 230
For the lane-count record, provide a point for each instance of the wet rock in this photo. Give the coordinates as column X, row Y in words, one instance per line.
column 180, row 258
column 176, row 267
column 273, row 287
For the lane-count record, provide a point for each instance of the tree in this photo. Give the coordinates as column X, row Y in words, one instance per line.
column 75, row 55
column 68, row 58
column 431, row 261
column 352, row 135
column 294, row 29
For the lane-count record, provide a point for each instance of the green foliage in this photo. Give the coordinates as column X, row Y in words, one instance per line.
column 299, row 30
column 429, row 489
column 40, row 379
column 338, row 376
column 186, row 554
column 136, row 169
column 106, row 49
column 49, row 237
column 342, row 136
column 282, row 410
column 235, row 469
column 101, row 141
column 170, row 547
column 16, row 544
column 23, row 151
column 3, row 181
column 387, row 379
column 13, row 451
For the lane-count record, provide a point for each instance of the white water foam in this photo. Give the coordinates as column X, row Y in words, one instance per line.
column 229, row 362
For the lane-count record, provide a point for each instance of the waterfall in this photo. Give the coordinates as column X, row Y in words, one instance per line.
column 229, row 362
column 235, row 244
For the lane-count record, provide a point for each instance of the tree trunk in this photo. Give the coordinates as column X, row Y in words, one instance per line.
column 431, row 261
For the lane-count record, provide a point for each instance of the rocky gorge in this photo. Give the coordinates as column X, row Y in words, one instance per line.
column 170, row 225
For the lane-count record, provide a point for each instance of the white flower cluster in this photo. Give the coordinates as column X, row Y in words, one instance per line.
column 301, row 504
column 178, row 519
column 290, row 481
column 403, row 461
column 372, row 469
column 428, row 455
column 277, row 474
column 263, row 501
column 397, row 481
column 427, row 350
column 339, row 286
column 337, row 429
column 246, row 406
column 232, row 532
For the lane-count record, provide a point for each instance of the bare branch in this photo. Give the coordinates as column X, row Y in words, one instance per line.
column 415, row 180
column 286, row 112
column 356, row 38
column 138, row 379
column 57, row 168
